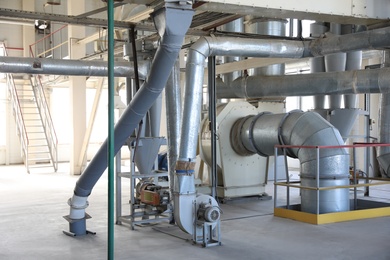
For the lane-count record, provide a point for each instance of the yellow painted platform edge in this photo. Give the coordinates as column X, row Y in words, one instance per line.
column 332, row 217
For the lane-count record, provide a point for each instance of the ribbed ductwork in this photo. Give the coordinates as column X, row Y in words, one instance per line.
column 347, row 82
column 172, row 34
column 259, row 134
column 69, row 67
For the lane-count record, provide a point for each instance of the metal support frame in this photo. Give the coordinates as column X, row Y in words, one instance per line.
column 209, row 234
column 136, row 208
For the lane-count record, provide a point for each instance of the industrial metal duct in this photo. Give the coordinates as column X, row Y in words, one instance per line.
column 346, row 82
column 259, row 134
column 172, row 34
column 229, row 46
column 69, row 67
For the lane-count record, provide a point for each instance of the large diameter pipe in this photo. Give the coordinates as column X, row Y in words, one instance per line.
column 259, row 134
column 346, row 82
column 69, row 67
column 172, row 35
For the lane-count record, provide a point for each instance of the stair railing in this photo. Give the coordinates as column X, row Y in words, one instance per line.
column 46, row 119
column 17, row 112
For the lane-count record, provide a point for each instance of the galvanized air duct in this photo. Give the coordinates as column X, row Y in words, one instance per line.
column 354, row 62
column 346, row 82
column 69, row 67
column 335, row 62
column 384, row 125
column 173, row 117
column 317, row 64
column 273, row 27
column 234, row 26
column 172, row 35
column 259, row 134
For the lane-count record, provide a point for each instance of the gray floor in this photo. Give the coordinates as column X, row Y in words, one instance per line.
column 31, row 225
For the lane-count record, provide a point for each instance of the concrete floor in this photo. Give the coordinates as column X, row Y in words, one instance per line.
column 31, row 224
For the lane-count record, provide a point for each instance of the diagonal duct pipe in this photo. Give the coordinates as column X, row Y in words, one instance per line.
column 69, row 67
column 172, row 35
column 259, row 134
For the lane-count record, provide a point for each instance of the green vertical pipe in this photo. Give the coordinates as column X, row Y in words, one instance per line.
column 111, row 152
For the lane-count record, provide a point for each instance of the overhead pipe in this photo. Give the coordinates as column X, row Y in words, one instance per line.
column 172, row 35
column 259, row 134
column 69, row 67
column 346, row 82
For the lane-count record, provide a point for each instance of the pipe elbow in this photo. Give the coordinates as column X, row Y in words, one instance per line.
column 202, row 46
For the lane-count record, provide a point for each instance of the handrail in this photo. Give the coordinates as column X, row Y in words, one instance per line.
column 45, row 37
column 297, row 184
column 17, row 111
column 46, row 119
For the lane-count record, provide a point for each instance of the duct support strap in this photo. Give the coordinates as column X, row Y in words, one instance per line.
column 172, row 34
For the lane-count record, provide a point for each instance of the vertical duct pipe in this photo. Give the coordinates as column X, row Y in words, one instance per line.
column 172, row 35
column 173, row 117
column 317, row 64
column 272, row 27
column 259, row 134
column 335, row 62
column 384, row 125
column 354, row 62
column 234, row 26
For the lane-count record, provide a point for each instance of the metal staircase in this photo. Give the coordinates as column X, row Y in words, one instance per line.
column 33, row 123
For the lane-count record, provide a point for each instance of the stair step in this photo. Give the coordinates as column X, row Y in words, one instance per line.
column 37, row 145
column 36, row 139
column 29, row 113
column 41, row 152
column 31, row 132
column 32, row 119
column 39, row 160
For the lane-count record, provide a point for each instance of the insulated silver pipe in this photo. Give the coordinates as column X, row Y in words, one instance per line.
column 346, row 82
column 173, row 117
column 69, row 67
column 259, row 134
